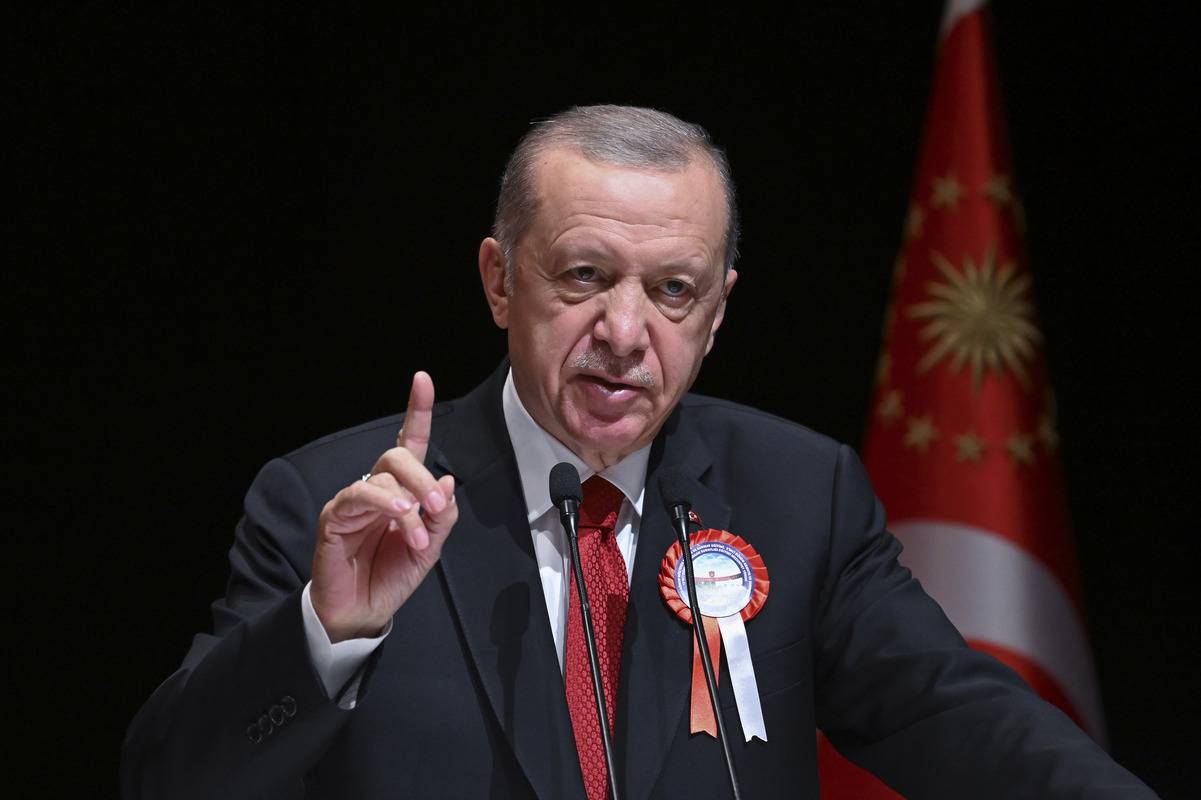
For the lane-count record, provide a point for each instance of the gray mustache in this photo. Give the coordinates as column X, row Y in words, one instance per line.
column 625, row 370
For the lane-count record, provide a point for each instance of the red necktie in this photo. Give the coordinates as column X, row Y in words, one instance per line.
column 608, row 596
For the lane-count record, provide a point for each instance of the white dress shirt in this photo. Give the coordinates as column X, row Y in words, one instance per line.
column 537, row 451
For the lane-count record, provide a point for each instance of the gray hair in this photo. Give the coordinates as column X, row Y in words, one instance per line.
column 625, row 136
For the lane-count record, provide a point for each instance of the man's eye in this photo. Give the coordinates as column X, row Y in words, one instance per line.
column 674, row 288
column 584, row 274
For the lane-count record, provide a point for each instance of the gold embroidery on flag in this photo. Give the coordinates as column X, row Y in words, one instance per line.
column 969, row 447
column 982, row 317
column 998, row 191
column 946, row 191
column 920, row 431
column 890, row 407
column 1021, row 449
column 1047, row 434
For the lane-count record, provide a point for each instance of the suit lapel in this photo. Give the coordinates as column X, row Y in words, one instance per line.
column 656, row 664
column 492, row 579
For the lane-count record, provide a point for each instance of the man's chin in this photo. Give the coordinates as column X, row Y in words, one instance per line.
column 612, row 439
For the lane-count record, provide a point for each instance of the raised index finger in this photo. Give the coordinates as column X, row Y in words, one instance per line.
column 415, row 435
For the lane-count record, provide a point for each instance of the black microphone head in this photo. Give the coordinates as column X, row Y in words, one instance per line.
column 674, row 488
column 564, row 483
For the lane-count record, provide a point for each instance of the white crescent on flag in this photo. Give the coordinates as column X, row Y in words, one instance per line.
column 995, row 592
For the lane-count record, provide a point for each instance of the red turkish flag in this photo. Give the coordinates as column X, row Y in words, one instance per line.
column 962, row 442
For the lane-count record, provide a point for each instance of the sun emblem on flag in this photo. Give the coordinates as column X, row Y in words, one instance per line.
column 981, row 317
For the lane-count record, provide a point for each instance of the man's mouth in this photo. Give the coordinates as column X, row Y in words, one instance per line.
column 609, row 389
column 611, row 385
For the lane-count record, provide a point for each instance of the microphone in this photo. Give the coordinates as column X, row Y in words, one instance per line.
column 565, row 491
column 566, row 494
column 674, row 489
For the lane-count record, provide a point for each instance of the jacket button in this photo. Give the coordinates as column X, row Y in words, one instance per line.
column 277, row 714
column 253, row 734
column 265, row 725
column 288, row 703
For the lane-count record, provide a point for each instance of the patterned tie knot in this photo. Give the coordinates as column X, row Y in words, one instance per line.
column 602, row 502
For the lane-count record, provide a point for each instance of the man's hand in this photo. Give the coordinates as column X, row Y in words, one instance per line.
column 377, row 538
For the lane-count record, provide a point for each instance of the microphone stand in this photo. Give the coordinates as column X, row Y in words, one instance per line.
column 679, row 514
column 569, row 513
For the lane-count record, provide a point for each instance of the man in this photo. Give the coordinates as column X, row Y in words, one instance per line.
column 400, row 619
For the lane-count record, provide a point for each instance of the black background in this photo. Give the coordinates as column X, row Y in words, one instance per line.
column 246, row 226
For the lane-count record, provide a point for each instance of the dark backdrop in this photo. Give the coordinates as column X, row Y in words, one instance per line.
column 248, row 225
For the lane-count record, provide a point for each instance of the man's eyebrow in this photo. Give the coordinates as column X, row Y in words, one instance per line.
column 696, row 265
column 581, row 250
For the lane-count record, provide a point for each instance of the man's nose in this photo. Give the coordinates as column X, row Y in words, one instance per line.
column 622, row 322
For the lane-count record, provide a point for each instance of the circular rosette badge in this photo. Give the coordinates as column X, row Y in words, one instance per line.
column 731, row 588
column 731, row 577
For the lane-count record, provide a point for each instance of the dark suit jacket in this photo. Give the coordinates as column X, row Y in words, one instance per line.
column 465, row 697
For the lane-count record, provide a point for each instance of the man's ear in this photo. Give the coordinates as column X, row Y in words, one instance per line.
column 727, row 287
column 492, row 275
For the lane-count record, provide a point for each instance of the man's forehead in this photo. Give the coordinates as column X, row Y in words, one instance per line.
column 663, row 196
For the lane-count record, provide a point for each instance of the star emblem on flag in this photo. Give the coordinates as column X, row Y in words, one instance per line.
column 890, row 407
column 1047, row 434
column 969, row 447
column 919, row 433
column 998, row 191
column 1021, row 449
column 946, row 192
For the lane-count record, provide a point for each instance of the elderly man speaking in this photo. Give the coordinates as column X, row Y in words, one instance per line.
column 402, row 619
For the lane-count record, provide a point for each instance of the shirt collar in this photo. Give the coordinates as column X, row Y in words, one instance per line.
column 537, row 451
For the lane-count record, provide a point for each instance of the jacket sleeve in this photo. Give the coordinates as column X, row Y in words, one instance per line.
column 900, row 693
column 245, row 715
